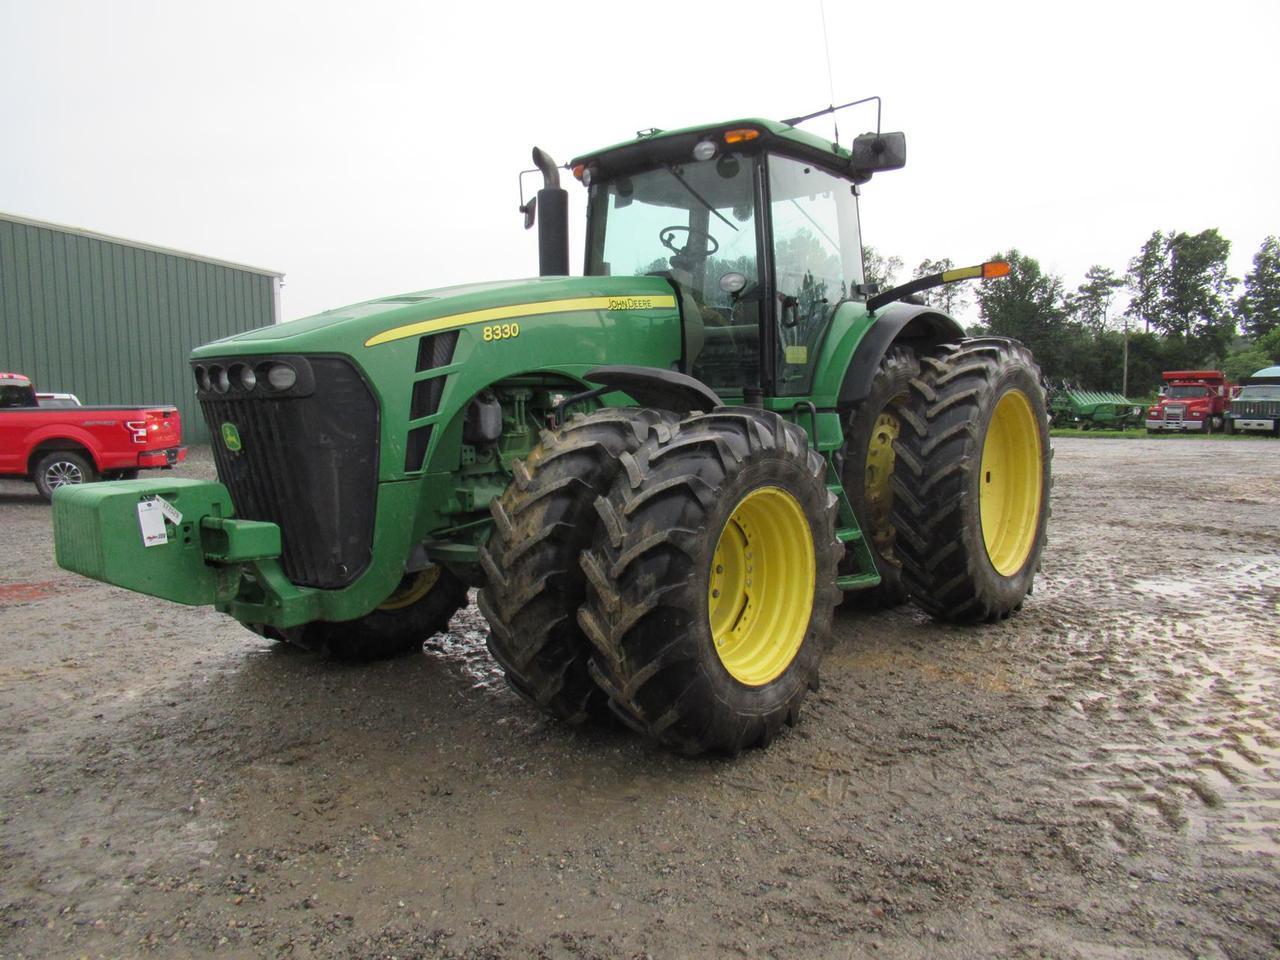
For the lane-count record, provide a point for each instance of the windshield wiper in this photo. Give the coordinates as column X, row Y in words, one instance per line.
column 697, row 196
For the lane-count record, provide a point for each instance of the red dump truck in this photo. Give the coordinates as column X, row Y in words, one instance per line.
column 55, row 446
column 1194, row 400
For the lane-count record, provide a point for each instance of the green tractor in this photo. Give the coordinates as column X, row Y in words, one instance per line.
column 664, row 475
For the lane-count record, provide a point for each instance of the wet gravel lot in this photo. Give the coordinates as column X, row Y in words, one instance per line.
column 1098, row 777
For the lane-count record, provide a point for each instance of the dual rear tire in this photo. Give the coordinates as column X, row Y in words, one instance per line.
column 972, row 479
column 699, row 557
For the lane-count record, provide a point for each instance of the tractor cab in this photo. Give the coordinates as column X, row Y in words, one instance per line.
column 755, row 225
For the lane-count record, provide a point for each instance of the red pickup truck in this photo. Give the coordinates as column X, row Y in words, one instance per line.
column 56, row 446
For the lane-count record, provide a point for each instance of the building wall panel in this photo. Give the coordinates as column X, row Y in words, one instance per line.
column 113, row 322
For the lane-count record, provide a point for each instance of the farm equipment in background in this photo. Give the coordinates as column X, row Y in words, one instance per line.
column 663, row 474
column 1090, row 409
column 1191, row 400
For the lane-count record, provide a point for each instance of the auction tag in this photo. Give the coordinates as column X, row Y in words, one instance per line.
column 171, row 513
column 151, row 520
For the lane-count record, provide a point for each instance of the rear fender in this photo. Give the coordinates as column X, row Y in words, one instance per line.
column 63, row 437
column 910, row 324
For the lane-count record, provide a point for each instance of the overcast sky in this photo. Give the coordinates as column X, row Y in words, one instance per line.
column 369, row 149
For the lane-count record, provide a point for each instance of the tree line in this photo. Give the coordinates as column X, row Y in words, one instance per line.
column 1184, row 311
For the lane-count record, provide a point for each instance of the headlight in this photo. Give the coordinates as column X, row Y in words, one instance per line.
column 202, row 379
column 221, row 382
column 281, row 376
column 248, row 379
column 704, row 150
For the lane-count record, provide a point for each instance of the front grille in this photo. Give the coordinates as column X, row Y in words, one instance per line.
column 1256, row 408
column 308, row 464
column 1175, row 412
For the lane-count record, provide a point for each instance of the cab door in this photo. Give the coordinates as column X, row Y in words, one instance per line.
column 817, row 262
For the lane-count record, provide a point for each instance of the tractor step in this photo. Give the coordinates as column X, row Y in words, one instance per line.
column 857, row 581
column 848, row 534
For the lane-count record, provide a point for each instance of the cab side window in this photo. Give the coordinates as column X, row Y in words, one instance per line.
column 817, row 259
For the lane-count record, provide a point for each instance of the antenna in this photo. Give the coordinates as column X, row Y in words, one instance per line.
column 831, row 84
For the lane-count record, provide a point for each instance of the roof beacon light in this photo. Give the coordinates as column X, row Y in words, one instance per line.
column 704, row 150
column 740, row 135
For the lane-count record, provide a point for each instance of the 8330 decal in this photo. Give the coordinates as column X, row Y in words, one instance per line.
column 500, row 331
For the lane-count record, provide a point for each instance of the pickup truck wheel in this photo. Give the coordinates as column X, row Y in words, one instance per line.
column 62, row 468
column 535, row 582
column 421, row 606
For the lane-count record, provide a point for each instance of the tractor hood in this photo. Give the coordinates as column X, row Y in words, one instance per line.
column 373, row 322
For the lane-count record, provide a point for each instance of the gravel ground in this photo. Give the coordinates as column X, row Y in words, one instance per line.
column 1098, row 777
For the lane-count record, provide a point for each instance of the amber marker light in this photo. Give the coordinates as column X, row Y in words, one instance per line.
column 740, row 136
column 995, row 268
column 577, row 170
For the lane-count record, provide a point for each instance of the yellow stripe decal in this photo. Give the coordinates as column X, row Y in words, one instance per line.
column 962, row 273
column 519, row 310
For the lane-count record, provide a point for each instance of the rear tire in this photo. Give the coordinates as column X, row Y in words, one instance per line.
column 869, row 432
column 535, row 583
column 421, row 606
column 62, row 468
column 972, row 481
column 712, row 582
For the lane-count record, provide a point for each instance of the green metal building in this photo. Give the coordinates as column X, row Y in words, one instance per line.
column 112, row 320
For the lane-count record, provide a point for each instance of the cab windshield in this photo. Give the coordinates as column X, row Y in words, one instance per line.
column 1187, row 391
column 694, row 223
column 1261, row 391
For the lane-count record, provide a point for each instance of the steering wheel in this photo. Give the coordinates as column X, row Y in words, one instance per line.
column 710, row 244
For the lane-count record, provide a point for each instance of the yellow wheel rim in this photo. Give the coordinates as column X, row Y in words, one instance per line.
column 879, row 471
column 412, row 589
column 1011, row 483
column 760, row 599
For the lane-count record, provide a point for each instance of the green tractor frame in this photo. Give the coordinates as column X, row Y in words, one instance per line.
column 664, row 475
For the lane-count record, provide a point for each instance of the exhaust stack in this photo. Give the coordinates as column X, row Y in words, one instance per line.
column 553, row 219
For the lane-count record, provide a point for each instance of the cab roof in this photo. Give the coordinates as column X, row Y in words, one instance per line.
column 652, row 147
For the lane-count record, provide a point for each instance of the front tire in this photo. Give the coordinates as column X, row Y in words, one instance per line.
column 421, row 606
column 712, row 582
column 972, row 484
column 62, row 468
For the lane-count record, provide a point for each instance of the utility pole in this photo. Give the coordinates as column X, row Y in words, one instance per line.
column 1124, row 376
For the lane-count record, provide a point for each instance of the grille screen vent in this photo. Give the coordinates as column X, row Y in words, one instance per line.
column 436, row 350
column 416, row 452
column 426, row 397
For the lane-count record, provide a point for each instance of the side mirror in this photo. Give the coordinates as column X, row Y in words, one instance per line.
column 874, row 152
column 529, row 210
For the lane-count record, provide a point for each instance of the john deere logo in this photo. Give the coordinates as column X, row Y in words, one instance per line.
column 231, row 437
